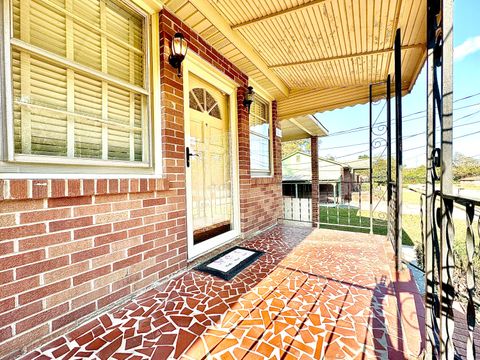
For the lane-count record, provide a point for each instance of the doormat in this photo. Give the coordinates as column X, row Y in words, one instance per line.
column 231, row 262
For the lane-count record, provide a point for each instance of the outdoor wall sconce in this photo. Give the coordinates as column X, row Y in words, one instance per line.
column 179, row 49
column 249, row 95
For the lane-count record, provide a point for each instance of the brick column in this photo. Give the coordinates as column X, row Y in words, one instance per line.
column 315, row 193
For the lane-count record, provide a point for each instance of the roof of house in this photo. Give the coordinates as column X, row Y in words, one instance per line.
column 320, row 158
column 471, row 178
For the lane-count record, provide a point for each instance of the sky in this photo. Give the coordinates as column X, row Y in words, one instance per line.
column 467, row 120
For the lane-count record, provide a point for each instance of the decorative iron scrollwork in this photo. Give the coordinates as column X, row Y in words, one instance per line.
column 470, row 246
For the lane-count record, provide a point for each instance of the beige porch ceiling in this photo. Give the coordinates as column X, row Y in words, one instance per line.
column 312, row 55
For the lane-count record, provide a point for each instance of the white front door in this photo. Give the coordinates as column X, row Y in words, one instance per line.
column 210, row 186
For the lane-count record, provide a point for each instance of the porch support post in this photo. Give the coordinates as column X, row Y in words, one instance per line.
column 399, row 148
column 447, row 290
column 370, row 157
column 389, row 145
column 315, row 194
column 431, row 318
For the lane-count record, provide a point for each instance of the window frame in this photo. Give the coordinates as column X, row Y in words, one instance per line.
column 12, row 163
column 257, row 173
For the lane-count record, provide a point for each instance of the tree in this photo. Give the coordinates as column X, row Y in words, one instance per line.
column 289, row 147
column 465, row 166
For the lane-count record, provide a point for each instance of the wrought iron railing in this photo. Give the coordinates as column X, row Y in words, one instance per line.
column 454, row 281
column 392, row 215
column 459, row 306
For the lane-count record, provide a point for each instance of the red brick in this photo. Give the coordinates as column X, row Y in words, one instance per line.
column 41, row 267
column 92, row 274
column 72, row 316
column 127, row 262
column 10, row 206
column 44, row 215
column 6, row 277
column 88, row 187
column 101, row 199
column 44, row 291
column 154, row 235
column 27, row 338
column 22, row 231
column 44, row 240
column 91, row 253
column 39, row 189
column 70, row 224
column 20, row 313
column 69, row 201
column 7, row 304
column 18, row 286
column 58, row 188
column 141, row 230
column 5, row 333
column 109, row 299
column 126, row 281
column 113, row 185
column 127, row 224
column 109, row 238
column 6, row 247
column 21, row 259
column 41, row 317
column 139, row 248
column 65, row 272
column 92, row 209
column 92, row 231
column 102, row 187
column 74, row 188
column 18, row 189
column 90, row 297
column 124, row 186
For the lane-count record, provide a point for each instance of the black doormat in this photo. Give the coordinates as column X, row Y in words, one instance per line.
column 229, row 263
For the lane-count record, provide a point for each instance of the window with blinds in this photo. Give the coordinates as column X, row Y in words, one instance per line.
column 79, row 80
column 260, row 137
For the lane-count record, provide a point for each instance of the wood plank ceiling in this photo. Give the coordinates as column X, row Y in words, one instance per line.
column 313, row 55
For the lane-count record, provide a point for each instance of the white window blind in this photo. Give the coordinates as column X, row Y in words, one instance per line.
column 260, row 136
column 79, row 76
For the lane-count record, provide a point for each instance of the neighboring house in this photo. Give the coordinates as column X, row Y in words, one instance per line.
column 336, row 181
column 470, row 180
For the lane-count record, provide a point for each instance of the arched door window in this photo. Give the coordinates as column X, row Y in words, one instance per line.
column 201, row 100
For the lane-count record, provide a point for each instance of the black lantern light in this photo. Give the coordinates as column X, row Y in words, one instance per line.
column 179, row 49
column 249, row 95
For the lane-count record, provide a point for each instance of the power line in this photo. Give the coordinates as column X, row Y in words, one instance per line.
column 411, row 135
column 415, row 148
column 366, row 127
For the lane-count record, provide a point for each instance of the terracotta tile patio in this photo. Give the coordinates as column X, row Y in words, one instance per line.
column 314, row 294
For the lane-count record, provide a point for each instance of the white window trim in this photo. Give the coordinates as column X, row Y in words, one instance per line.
column 32, row 166
column 269, row 99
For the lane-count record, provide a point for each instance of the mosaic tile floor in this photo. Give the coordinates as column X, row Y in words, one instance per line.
column 313, row 295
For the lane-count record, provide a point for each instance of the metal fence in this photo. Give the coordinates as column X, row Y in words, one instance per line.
column 342, row 205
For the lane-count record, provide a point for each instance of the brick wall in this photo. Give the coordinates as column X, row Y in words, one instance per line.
column 260, row 198
column 69, row 248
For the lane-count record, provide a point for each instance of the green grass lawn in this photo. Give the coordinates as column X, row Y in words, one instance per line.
column 411, row 197
column 349, row 220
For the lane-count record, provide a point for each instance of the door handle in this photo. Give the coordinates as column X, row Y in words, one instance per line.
column 188, row 155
